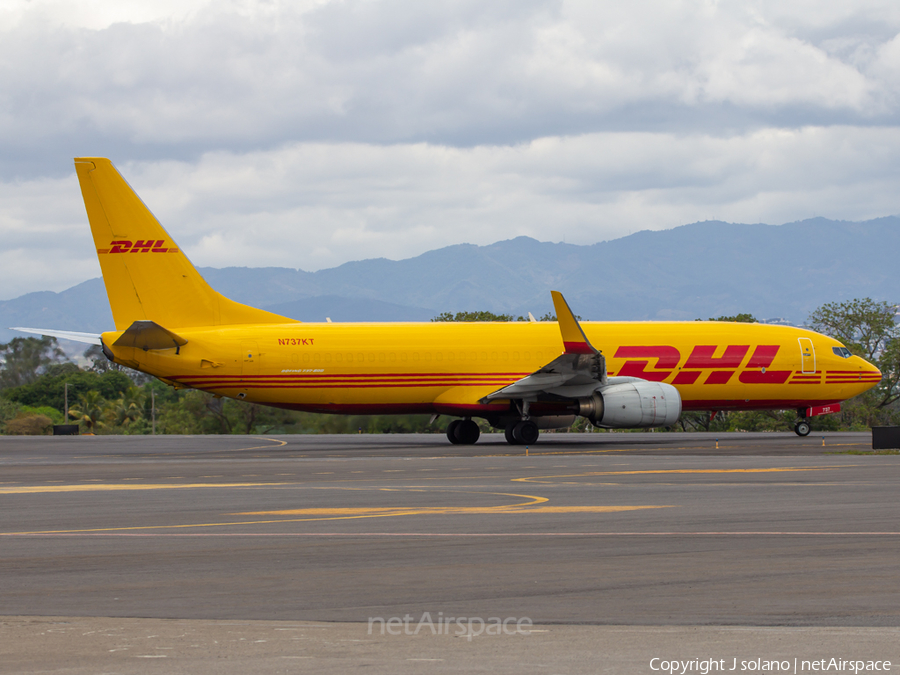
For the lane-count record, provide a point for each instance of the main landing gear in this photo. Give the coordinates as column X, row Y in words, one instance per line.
column 463, row 432
column 519, row 431
column 522, row 432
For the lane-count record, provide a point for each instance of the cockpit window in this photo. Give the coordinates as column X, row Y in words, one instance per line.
column 843, row 352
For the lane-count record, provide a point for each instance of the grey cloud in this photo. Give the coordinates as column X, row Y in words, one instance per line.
column 462, row 74
column 352, row 31
column 307, row 135
column 314, row 205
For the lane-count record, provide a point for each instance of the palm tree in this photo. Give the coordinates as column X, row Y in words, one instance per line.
column 89, row 410
column 128, row 407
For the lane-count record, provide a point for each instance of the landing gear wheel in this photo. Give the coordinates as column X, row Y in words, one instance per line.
column 452, row 431
column 801, row 428
column 526, row 432
column 463, row 432
column 467, row 433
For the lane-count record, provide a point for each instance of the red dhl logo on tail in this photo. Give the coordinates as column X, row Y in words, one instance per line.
column 701, row 358
column 140, row 246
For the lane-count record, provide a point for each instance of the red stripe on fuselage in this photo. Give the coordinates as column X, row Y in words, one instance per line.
column 380, row 375
column 761, row 404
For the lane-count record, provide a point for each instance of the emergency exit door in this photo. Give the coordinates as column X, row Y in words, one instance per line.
column 807, row 355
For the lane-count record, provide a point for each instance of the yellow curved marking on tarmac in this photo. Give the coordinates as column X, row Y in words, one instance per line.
column 262, row 447
column 111, row 487
column 183, row 526
column 443, row 510
column 544, row 509
column 784, row 469
column 391, row 510
column 180, row 452
column 527, row 507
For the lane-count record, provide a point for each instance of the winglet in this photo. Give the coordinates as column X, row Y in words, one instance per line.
column 574, row 339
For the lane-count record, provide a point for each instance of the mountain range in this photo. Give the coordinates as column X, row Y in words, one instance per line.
column 700, row 270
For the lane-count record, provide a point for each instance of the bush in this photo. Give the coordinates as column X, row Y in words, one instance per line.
column 30, row 425
column 47, row 390
column 55, row 415
column 8, row 411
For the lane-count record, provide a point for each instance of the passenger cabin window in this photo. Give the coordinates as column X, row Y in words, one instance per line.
column 843, row 352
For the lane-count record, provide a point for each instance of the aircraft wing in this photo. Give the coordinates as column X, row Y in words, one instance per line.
column 578, row 371
column 87, row 338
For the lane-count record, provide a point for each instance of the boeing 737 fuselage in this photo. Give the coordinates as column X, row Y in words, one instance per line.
column 519, row 376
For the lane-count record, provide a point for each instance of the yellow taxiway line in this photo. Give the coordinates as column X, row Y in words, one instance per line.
column 783, row 469
column 112, row 487
column 532, row 505
column 454, row 510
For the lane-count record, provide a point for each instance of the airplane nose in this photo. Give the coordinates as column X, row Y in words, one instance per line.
column 871, row 371
column 867, row 376
column 870, row 374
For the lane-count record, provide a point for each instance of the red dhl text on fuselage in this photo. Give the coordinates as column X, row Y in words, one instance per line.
column 725, row 365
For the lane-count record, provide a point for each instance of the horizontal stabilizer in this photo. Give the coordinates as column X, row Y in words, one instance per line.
column 87, row 338
column 149, row 335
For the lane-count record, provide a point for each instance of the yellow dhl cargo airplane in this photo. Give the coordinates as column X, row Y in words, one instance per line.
column 519, row 376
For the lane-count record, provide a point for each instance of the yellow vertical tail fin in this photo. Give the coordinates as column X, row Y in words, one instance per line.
column 147, row 277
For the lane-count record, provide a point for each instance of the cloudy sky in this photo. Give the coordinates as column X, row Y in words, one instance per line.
column 307, row 133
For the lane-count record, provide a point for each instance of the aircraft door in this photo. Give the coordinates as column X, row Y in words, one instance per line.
column 249, row 358
column 807, row 355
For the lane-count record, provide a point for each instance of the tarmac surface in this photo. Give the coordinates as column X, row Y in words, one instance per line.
column 587, row 537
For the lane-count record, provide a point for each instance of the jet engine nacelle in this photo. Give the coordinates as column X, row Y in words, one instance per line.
column 631, row 405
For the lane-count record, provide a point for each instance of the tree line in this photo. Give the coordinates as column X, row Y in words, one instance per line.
column 105, row 398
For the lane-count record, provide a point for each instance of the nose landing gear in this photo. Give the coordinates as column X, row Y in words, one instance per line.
column 801, row 426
